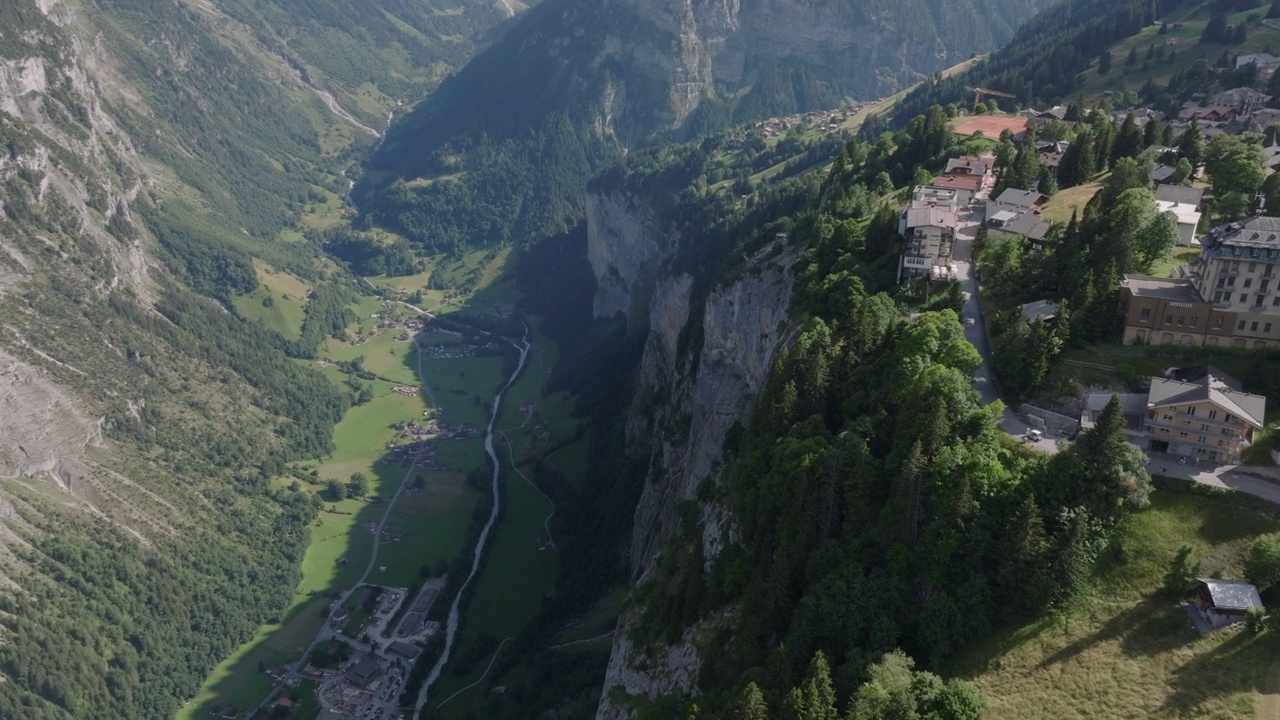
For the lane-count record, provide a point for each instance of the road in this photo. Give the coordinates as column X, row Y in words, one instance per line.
column 984, row 380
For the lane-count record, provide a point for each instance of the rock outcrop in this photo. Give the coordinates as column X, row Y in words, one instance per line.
column 705, row 360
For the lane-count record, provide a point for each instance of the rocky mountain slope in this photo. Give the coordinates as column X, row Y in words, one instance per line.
column 149, row 151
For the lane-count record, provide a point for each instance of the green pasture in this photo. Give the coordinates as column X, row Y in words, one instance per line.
column 1126, row 649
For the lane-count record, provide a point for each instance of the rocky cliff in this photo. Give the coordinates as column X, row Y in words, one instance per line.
column 707, row 355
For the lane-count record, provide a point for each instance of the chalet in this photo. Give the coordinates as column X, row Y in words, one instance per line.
column 1028, row 225
column 1204, row 415
column 1162, row 172
column 975, row 165
column 1225, row 602
column 1198, row 412
column 1017, row 201
column 1040, row 310
column 1051, row 154
column 966, row 186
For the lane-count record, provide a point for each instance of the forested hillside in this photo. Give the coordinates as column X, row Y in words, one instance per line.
column 1045, row 59
column 155, row 156
column 874, row 503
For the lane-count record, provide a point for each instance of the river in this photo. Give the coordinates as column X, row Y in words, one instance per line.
column 451, row 625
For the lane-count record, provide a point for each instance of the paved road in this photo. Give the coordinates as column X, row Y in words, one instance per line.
column 1259, row 482
column 984, row 380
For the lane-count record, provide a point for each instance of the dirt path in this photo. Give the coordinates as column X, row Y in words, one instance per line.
column 1271, row 701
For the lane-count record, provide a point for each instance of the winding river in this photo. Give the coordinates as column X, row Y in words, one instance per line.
column 451, row 625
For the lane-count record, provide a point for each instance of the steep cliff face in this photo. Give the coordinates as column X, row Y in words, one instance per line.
column 626, row 248
column 705, row 360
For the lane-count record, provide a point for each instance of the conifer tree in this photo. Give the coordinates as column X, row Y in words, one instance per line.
column 752, row 705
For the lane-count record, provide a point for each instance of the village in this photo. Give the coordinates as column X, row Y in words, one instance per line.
column 1194, row 421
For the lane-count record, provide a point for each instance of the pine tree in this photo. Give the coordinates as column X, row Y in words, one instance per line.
column 752, row 705
column 1128, row 142
column 1215, row 31
column 1132, row 59
column 1104, row 61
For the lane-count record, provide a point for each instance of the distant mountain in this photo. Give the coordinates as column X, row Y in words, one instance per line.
column 576, row 81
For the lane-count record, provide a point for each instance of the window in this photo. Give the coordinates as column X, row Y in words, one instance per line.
column 1213, row 414
column 1166, row 418
column 1145, row 315
column 1229, row 418
column 1253, row 266
column 1202, row 439
column 1236, row 252
column 1248, row 282
column 1182, row 319
column 1221, row 282
column 1244, row 297
column 1266, row 328
column 1191, row 410
column 1254, row 252
column 1264, row 285
column 1253, row 327
column 1182, row 434
column 1194, row 321
column 1204, row 427
column 1168, row 319
column 1217, row 297
column 1217, row 322
column 1226, row 431
column 1275, row 301
column 1231, row 282
column 1240, row 326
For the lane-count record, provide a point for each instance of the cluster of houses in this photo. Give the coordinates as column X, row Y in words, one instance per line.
column 825, row 119
column 928, row 223
column 388, row 321
column 452, row 351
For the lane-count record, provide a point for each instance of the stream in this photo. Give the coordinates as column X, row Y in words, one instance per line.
column 451, row 625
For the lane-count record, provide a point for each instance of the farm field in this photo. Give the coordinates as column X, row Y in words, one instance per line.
column 288, row 300
column 1126, row 649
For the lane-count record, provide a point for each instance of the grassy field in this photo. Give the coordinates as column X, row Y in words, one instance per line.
column 508, row 592
column 1180, row 257
column 434, row 523
column 1184, row 42
column 1065, row 202
column 288, row 301
column 1126, row 648
column 1128, row 364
